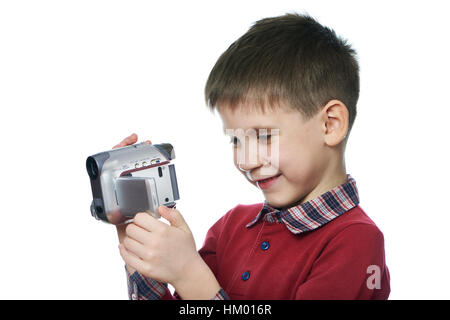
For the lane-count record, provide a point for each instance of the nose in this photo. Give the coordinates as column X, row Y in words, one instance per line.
column 253, row 154
column 248, row 165
column 247, row 159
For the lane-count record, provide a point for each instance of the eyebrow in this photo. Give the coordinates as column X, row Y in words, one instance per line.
column 257, row 129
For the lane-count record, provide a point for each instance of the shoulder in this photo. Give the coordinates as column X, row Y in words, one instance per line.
column 354, row 218
column 355, row 229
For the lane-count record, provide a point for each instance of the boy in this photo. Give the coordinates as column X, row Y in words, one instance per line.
column 296, row 84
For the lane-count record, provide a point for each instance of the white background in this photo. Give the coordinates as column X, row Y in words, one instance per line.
column 78, row 76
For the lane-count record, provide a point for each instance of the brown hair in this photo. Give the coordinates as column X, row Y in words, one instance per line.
column 291, row 58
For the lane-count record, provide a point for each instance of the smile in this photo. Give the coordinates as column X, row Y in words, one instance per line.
column 267, row 183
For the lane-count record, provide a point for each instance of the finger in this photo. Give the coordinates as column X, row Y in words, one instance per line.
column 137, row 233
column 147, row 222
column 131, row 139
column 173, row 216
column 132, row 260
column 137, row 248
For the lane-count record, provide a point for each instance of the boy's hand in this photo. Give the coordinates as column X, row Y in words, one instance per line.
column 168, row 254
column 157, row 250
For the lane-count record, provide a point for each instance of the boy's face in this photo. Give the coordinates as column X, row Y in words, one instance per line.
column 296, row 158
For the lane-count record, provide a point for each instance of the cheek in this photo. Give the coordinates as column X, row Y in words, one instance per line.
column 298, row 163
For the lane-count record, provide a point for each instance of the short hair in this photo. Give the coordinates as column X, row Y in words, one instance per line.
column 292, row 58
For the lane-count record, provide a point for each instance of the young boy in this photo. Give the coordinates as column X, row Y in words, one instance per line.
column 296, row 84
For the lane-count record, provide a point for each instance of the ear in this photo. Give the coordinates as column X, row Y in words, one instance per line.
column 335, row 122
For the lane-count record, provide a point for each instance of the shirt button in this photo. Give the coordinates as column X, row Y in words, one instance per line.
column 245, row 276
column 265, row 245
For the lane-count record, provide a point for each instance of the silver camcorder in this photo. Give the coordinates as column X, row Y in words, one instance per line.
column 132, row 179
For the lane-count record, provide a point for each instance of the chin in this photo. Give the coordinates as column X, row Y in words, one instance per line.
column 276, row 203
column 283, row 202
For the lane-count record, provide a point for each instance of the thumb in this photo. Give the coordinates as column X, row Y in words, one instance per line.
column 174, row 217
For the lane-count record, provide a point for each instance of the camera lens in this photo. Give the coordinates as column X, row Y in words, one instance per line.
column 92, row 168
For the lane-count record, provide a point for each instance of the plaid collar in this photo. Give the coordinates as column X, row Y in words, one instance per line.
column 314, row 213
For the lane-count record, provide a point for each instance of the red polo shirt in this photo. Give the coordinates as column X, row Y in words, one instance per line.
column 326, row 248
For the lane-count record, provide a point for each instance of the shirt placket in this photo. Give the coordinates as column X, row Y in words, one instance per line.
column 244, row 275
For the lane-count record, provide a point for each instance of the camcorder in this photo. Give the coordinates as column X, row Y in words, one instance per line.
column 132, row 179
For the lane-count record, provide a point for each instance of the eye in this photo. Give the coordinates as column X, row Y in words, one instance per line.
column 234, row 141
column 265, row 138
